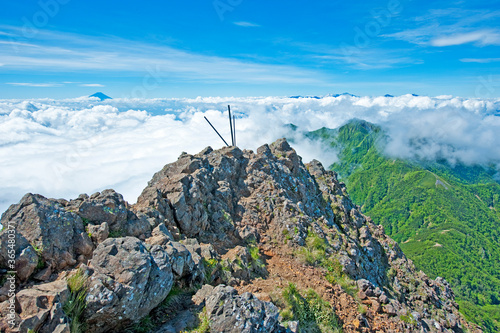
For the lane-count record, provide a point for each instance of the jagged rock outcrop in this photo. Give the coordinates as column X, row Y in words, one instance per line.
column 109, row 206
column 229, row 312
column 41, row 308
column 210, row 218
column 126, row 281
column 227, row 196
column 45, row 230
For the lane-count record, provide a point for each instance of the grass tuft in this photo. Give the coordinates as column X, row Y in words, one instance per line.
column 204, row 323
column 256, row 258
column 76, row 304
column 314, row 314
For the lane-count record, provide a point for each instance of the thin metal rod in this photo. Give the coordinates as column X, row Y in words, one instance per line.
column 216, row 131
column 234, row 130
column 231, row 124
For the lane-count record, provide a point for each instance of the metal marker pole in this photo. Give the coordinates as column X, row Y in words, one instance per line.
column 230, row 124
column 216, row 131
column 234, row 129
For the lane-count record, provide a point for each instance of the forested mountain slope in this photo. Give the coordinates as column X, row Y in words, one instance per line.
column 445, row 218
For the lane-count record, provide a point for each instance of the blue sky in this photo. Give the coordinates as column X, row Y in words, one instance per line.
column 71, row 48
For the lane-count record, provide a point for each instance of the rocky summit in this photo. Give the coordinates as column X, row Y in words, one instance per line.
column 222, row 241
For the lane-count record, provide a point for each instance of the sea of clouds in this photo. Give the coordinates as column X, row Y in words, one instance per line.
column 61, row 148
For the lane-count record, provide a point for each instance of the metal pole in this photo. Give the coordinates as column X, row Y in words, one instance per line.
column 216, row 131
column 234, row 129
column 230, row 124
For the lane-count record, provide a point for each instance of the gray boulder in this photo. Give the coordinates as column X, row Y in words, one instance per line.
column 181, row 259
column 26, row 259
column 46, row 229
column 230, row 312
column 126, row 282
column 109, row 206
column 160, row 236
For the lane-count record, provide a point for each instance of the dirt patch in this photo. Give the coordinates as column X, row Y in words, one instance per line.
column 283, row 269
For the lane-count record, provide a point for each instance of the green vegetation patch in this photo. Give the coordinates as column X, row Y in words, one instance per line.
column 203, row 325
column 312, row 312
column 76, row 304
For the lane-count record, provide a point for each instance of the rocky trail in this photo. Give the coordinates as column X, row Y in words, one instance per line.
column 285, row 270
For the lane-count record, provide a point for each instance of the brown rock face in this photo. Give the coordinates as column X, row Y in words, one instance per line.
column 41, row 308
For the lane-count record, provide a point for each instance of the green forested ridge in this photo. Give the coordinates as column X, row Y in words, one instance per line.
column 445, row 218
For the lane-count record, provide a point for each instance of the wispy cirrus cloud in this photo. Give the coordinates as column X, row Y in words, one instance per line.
column 480, row 60
column 92, row 85
column 246, row 24
column 452, row 26
column 372, row 59
column 479, row 38
column 13, row 43
column 358, row 57
column 61, row 52
column 38, row 85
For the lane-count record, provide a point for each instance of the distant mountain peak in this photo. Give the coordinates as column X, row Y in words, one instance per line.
column 101, row 96
column 343, row 94
column 360, row 124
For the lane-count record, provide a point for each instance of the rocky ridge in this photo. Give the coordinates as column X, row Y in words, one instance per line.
column 242, row 224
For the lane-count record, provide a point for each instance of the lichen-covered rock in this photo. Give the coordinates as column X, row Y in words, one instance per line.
column 98, row 233
column 46, row 229
column 181, row 259
column 187, row 264
column 230, row 312
column 108, row 206
column 40, row 308
column 26, row 258
column 160, row 236
column 126, row 281
column 156, row 206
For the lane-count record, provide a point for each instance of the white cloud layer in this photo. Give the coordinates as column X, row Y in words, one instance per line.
column 60, row 148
